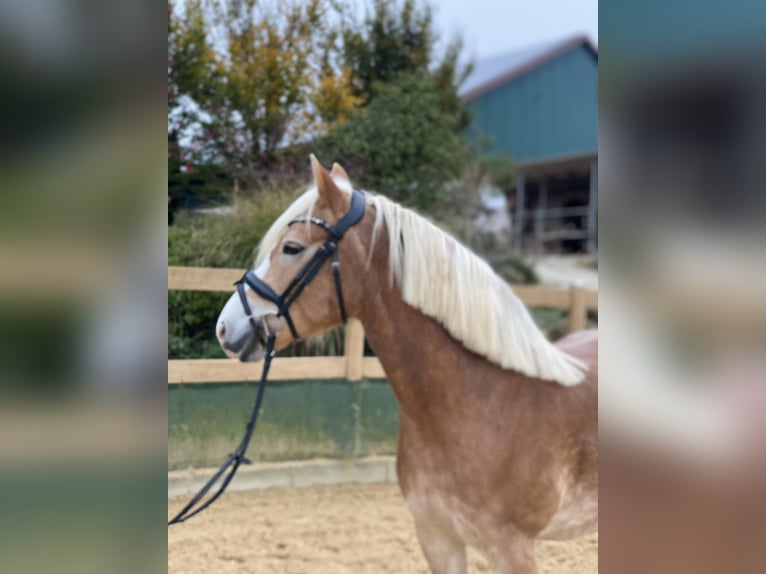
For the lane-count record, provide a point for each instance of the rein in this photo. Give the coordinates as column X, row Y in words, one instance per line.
column 306, row 275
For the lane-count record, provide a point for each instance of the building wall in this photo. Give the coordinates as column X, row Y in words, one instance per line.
column 550, row 111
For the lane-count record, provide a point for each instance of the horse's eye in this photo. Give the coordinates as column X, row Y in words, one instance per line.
column 292, row 248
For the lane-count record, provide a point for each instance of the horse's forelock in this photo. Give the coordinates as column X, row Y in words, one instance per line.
column 303, row 206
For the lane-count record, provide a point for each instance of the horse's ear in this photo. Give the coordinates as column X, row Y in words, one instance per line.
column 338, row 171
column 329, row 194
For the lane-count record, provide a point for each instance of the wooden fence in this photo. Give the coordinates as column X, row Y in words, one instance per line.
column 353, row 365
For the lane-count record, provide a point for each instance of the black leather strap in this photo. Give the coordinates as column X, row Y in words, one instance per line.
column 329, row 248
column 237, row 457
column 338, row 288
column 263, row 290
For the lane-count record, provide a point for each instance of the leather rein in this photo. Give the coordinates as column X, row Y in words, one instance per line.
column 328, row 249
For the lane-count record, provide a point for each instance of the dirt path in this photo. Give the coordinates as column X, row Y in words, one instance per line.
column 350, row 529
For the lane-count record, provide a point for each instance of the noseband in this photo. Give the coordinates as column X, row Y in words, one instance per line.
column 283, row 302
column 308, row 272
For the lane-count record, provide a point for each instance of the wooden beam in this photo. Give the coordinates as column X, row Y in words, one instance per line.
column 232, row 370
column 202, row 278
column 220, row 279
column 577, row 310
column 538, row 296
column 591, row 300
column 354, row 349
column 283, row 369
column 372, row 369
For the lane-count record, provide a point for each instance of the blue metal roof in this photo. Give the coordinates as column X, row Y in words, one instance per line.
column 488, row 71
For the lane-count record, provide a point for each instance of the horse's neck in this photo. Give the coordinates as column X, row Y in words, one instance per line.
column 418, row 355
column 425, row 366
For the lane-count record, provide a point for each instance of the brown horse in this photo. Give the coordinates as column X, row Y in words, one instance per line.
column 498, row 427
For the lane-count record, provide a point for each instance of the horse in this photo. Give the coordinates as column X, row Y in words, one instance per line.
column 498, row 432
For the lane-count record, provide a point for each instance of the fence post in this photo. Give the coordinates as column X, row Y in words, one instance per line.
column 519, row 213
column 577, row 309
column 354, row 349
column 539, row 230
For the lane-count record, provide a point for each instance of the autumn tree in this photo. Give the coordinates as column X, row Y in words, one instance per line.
column 254, row 79
column 257, row 77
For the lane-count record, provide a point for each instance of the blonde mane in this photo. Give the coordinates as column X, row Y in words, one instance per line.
column 446, row 281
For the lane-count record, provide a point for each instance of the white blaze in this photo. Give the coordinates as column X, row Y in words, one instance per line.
column 233, row 313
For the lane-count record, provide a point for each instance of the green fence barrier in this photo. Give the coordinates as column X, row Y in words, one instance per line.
column 299, row 419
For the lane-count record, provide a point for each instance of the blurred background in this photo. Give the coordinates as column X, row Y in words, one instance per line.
column 683, row 385
column 82, row 286
column 506, row 111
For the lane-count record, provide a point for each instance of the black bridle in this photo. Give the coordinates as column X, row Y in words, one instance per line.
column 306, row 275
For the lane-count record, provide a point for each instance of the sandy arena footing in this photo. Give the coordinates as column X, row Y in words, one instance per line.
column 343, row 529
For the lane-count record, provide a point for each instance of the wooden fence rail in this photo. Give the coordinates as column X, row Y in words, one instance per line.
column 353, row 365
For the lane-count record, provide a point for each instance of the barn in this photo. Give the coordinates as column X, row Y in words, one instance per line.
column 540, row 105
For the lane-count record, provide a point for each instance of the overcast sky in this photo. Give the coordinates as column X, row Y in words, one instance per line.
column 491, row 27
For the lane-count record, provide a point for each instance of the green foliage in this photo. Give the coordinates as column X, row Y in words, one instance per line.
column 389, row 42
column 249, row 81
column 404, row 144
column 407, row 141
column 226, row 240
column 397, row 39
column 205, row 184
column 553, row 322
column 513, row 269
column 500, row 169
column 189, row 64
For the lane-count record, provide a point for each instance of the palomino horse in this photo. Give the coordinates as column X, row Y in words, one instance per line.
column 498, row 427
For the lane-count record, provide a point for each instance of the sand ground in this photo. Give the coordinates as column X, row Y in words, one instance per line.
column 348, row 529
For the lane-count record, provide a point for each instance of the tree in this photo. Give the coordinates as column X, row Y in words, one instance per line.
column 408, row 139
column 256, row 77
column 251, row 80
column 399, row 39
column 405, row 143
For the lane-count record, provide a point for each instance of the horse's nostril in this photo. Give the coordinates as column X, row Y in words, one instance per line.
column 221, row 331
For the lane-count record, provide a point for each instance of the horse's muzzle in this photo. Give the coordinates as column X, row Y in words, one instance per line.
column 248, row 346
